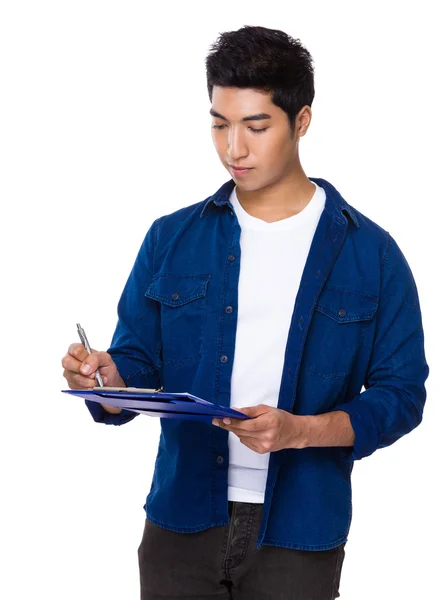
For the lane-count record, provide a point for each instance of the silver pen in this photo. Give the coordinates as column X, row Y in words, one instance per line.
column 85, row 343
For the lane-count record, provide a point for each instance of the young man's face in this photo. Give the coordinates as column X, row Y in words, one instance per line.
column 264, row 144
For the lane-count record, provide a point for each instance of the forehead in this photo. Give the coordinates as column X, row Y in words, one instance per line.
column 236, row 103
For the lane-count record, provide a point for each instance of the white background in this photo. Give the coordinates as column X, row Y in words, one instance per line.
column 105, row 127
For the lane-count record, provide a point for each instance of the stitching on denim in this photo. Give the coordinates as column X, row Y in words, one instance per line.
column 270, row 542
column 328, row 233
column 366, row 316
column 247, row 538
column 200, row 294
column 147, row 371
column 155, row 240
column 176, row 303
column 226, row 565
column 334, row 579
column 327, row 375
column 203, row 527
column 194, row 294
column 223, row 550
column 213, row 478
column 335, row 217
column 182, row 360
column 300, row 292
column 383, row 260
column 352, row 213
column 366, row 295
column 225, row 277
column 178, row 362
column 170, row 275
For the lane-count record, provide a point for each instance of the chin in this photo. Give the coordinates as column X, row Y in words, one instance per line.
column 247, row 187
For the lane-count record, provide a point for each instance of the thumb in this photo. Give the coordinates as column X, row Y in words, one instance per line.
column 94, row 361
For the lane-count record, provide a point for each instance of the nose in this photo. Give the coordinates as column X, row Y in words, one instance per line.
column 236, row 145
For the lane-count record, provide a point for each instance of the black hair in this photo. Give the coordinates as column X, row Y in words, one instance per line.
column 263, row 59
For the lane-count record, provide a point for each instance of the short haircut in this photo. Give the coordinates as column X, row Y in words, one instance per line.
column 263, row 59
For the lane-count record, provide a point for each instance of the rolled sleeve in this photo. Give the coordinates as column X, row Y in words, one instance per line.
column 100, row 414
column 136, row 344
column 394, row 397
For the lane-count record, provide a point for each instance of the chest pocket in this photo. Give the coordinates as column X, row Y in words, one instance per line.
column 337, row 331
column 183, row 307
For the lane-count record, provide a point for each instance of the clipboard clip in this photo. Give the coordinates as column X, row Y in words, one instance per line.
column 128, row 389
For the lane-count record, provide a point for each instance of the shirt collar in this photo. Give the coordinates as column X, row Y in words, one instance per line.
column 335, row 204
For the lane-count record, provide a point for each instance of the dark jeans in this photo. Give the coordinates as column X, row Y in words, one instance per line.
column 224, row 563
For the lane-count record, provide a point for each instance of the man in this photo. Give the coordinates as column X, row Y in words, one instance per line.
column 277, row 297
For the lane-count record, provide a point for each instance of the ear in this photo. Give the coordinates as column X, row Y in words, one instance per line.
column 303, row 120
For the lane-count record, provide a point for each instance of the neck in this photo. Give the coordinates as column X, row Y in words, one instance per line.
column 279, row 200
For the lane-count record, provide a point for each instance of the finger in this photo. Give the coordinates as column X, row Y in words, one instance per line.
column 253, row 446
column 238, row 432
column 255, row 411
column 71, row 364
column 258, row 424
column 94, row 361
column 78, row 351
column 76, row 381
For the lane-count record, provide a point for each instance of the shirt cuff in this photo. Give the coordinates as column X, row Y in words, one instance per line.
column 100, row 414
column 363, row 421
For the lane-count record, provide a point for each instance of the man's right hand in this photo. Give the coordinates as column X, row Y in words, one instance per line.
column 80, row 369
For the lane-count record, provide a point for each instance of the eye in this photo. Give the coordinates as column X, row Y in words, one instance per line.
column 250, row 128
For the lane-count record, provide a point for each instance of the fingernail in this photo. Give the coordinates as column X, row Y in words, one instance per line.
column 227, row 421
column 86, row 369
column 104, row 379
column 216, row 423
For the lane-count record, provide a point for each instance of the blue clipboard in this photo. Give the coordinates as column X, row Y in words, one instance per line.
column 155, row 403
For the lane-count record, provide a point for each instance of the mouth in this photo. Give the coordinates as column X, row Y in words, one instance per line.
column 240, row 170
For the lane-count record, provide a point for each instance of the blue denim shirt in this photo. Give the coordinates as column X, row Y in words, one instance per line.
column 356, row 323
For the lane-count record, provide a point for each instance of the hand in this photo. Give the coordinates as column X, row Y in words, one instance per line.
column 269, row 430
column 80, row 368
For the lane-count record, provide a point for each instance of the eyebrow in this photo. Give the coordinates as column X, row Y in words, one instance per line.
column 257, row 117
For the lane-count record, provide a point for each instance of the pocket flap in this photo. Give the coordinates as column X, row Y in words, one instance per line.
column 175, row 290
column 346, row 306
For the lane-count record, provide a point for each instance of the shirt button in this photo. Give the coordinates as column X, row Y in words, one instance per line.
column 342, row 312
column 220, row 460
column 175, row 296
column 224, row 359
column 231, row 258
column 228, row 310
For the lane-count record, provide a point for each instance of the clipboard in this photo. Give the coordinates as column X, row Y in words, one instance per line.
column 157, row 403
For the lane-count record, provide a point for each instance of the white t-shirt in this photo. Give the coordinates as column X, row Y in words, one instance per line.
column 273, row 257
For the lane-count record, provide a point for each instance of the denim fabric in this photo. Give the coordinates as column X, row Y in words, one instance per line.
column 223, row 563
column 356, row 323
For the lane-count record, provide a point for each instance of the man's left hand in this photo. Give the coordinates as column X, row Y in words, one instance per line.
column 270, row 429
